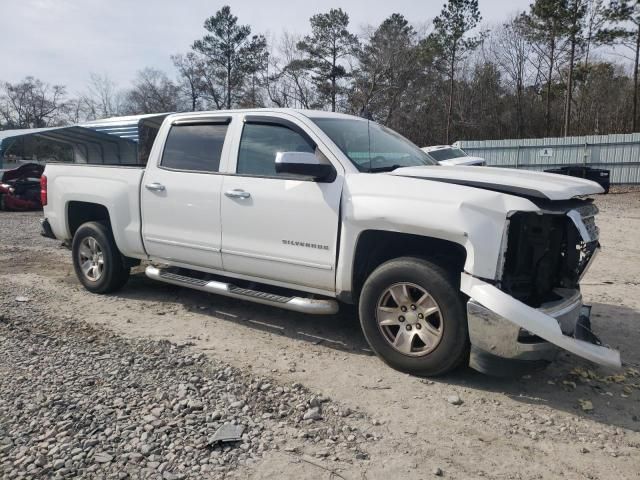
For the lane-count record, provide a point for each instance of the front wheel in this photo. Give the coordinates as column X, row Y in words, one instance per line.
column 97, row 260
column 413, row 317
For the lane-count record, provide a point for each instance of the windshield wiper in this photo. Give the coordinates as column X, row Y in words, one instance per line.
column 389, row 168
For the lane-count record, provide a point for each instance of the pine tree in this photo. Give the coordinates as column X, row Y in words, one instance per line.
column 329, row 43
column 232, row 53
column 451, row 28
column 545, row 25
column 387, row 64
column 624, row 29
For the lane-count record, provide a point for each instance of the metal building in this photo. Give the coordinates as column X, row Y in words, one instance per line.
column 619, row 153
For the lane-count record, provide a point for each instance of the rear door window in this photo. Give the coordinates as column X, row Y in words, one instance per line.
column 195, row 148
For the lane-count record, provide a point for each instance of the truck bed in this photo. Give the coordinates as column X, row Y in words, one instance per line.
column 116, row 187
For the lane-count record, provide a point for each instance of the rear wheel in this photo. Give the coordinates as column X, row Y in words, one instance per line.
column 413, row 317
column 96, row 259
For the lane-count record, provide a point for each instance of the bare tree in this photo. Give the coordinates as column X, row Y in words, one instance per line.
column 102, row 99
column 191, row 70
column 32, row 103
column 287, row 83
column 152, row 92
column 624, row 29
column 595, row 20
column 511, row 50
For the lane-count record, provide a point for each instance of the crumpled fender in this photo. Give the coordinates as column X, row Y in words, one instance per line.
column 471, row 217
column 535, row 321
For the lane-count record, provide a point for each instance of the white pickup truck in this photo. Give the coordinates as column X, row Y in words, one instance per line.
column 303, row 210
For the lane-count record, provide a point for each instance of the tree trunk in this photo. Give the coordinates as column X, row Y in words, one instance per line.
column 333, row 83
column 567, row 105
column 635, row 83
column 519, row 109
column 547, row 110
column 450, row 106
column 229, row 84
column 194, row 97
column 333, row 93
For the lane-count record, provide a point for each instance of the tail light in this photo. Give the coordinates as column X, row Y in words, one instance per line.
column 43, row 190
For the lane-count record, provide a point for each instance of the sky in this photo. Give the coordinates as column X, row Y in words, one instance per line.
column 63, row 41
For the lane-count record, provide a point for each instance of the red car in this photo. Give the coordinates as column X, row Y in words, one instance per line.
column 20, row 188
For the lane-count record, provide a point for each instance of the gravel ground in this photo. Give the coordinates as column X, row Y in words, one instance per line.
column 77, row 401
column 136, row 384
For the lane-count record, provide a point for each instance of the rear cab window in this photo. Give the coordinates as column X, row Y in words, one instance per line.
column 194, row 147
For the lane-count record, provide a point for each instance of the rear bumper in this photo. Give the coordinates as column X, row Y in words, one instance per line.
column 45, row 229
column 505, row 332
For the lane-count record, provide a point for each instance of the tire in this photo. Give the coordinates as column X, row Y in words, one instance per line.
column 444, row 330
column 93, row 243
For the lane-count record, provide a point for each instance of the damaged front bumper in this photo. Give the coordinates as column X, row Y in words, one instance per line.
column 508, row 337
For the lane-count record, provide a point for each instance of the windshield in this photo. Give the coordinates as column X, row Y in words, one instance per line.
column 447, row 153
column 372, row 147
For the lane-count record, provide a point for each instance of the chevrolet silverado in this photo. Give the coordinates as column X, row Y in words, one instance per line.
column 304, row 210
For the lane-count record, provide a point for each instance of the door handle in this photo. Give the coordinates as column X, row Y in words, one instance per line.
column 237, row 193
column 155, row 187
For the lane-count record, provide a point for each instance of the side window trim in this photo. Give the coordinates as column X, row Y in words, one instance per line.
column 281, row 122
column 185, row 170
column 202, row 121
column 196, row 122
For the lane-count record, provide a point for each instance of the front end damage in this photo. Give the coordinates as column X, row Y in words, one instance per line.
column 521, row 321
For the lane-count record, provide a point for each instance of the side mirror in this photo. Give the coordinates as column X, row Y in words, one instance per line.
column 305, row 164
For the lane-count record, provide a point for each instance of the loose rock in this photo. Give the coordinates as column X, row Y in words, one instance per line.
column 102, row 457
column 312, row 414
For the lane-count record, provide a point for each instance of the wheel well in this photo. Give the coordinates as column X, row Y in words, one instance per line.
column 375, row 247
column 82, row 212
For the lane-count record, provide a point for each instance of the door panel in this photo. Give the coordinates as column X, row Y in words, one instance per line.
column 274, row 226
column 286, row 230
column 182, row 222
column 180, row 196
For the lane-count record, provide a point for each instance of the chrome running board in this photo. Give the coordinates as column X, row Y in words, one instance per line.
column 297, row 304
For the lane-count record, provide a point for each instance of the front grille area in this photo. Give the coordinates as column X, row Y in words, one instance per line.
column 548, row 251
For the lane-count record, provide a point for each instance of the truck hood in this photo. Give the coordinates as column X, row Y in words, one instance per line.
column 546, row 186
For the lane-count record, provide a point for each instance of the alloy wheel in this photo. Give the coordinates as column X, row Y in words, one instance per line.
column 410, row 319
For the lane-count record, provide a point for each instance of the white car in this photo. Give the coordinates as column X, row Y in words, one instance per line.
column 304, row 210
column 452, row 156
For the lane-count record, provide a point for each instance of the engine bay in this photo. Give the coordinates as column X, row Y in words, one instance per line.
column 549, row 250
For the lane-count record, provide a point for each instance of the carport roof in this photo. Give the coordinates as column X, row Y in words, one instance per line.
column 119, row 132
column 123, row 127
column 73, row 134
column 23, row 131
